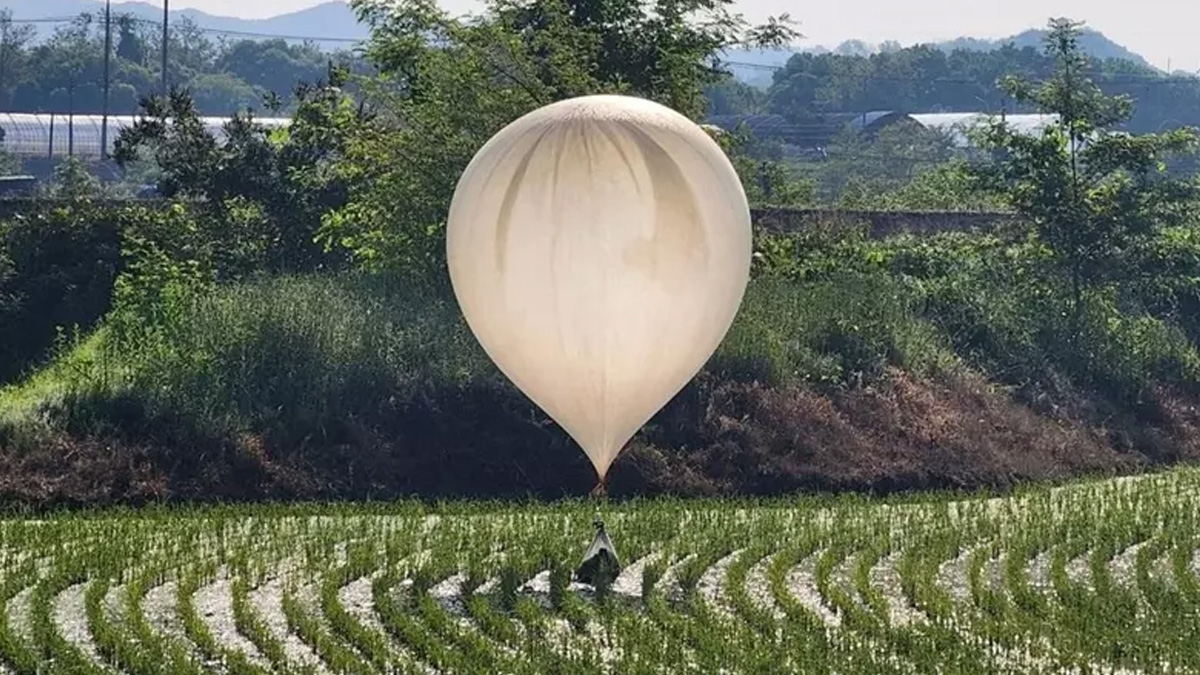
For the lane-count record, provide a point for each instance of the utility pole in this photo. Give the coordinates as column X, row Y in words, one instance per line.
column 107, row 78
column 166, row 39
column 3, row 55
column 71, row 119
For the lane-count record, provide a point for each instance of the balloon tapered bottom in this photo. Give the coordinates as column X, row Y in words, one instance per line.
column 600, row 491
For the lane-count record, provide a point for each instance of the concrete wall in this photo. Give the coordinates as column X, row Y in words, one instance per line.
column 880, row 223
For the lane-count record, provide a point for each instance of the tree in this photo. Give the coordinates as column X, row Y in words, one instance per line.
column 191, row 52
column 859, row 164
column 732, row 97
column 1094, row 194
column 273, row 65
column 130, row 46
column 266, row 188
column 67, row 69
column 223, row 94
column 13, row 41
column 928, row 78
column 945, row 187
column 768, row 180
column 73, row 181
column 448, row 84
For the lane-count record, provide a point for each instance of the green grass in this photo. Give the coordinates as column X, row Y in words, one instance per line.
column 829, row 332
column 297, row 354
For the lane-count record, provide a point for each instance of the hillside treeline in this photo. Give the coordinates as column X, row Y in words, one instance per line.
column 64, row 73
column 927, row 78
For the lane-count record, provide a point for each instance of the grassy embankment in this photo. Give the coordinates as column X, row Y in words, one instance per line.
column 912, row 363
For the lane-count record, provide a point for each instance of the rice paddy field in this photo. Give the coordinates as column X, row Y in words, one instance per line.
column 1100, row 577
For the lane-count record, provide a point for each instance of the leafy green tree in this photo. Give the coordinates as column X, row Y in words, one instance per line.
column 732, row 97
column 925, row 78
column 945, row 187
column 65, row 72
column 448, row 84
column 57, row 267
column 1095, row 195
column 860, row 167
column 272, row 65
column 223, row 94
column 73, row 181
column 266, row 188
column 191, row 51
column 130, row 46
column 67, row 69
column 14, row 39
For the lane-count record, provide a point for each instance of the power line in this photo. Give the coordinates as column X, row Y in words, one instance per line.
column 1104, row 78
column 350, row 40
column 202, row 29
column 740, row 64
column 166, row 42
column 107, row 76
column 302, row 38
column 48, row 19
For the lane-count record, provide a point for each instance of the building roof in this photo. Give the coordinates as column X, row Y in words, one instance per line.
column 863, row 122
column 823, row 129
column 957, row 124
column 816, row 133
column 57, row 136
column 762, row 126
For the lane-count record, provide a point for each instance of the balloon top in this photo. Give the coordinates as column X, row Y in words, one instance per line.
column 609, row 108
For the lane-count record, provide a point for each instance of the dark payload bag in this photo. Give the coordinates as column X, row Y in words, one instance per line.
column 601, row 564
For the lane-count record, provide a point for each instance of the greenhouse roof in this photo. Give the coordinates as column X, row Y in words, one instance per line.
column 57, row 136
column 957, row 124
column 818, row 131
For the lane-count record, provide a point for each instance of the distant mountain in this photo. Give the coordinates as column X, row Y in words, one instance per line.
column 755, row 66
column 329, row 20
column 336, row 20
column 1093, row 42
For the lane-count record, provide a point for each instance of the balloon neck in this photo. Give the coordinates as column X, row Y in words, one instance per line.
column 601, row 489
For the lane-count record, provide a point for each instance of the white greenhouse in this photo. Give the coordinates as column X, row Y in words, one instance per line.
column 55, row 136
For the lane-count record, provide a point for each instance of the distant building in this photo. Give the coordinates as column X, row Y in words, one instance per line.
column 17, row 186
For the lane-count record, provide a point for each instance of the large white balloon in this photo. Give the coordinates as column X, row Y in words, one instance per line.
column 599, row 248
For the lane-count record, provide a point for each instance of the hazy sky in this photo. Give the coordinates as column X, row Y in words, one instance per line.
column 1160, row 30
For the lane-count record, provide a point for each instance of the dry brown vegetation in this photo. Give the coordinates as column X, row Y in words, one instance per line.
column 900, row 433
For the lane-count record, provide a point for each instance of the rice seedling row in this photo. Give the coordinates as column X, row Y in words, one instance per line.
column 1093, row 577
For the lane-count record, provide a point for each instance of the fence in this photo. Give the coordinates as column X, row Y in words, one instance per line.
column 880, row 223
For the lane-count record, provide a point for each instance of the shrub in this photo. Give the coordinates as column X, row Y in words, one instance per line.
column 992, row 300
column 57, row 268
column 839, row 331
column 295, row 359
column 291, row 355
